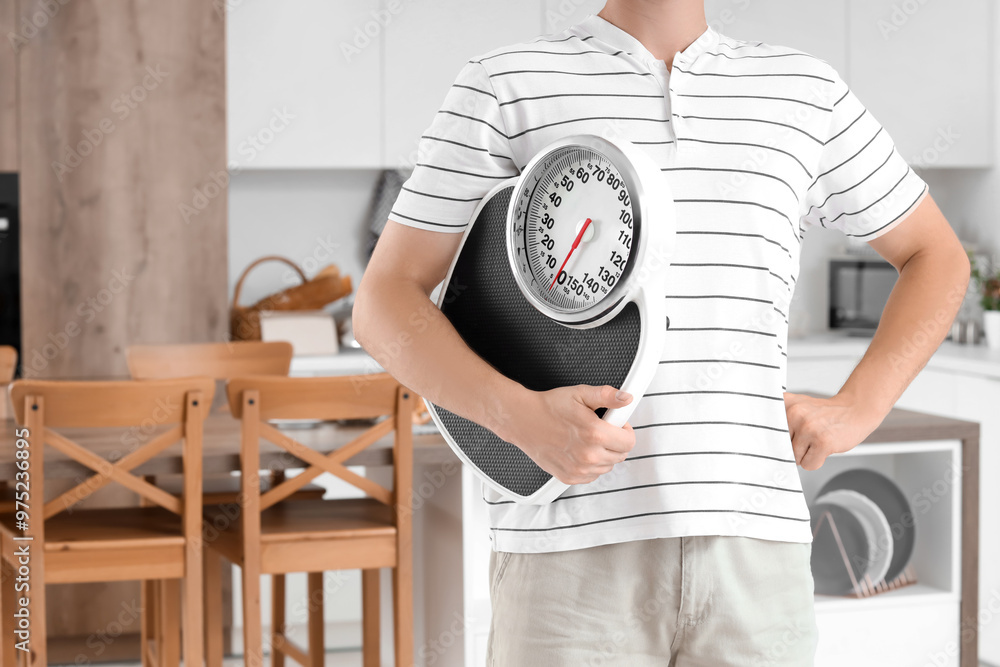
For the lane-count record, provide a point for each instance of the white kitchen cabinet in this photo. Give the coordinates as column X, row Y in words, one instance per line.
column 314, row 84
column 942, row 389
column 924, row 70
column 818, row 28
column 909, row 625
column 426, row 45
column 303, row 88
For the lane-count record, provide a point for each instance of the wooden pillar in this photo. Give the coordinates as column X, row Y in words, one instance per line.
column 8, row 88
column 122, row 112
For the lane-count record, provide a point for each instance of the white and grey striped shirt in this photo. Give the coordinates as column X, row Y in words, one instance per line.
column 758, row 143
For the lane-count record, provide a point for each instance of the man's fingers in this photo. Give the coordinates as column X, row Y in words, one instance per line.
column 617, row 440
column 604, row 396
column 799, row 447
column 813, row 458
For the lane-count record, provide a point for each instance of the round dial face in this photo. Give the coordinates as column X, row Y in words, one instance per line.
column 573, row 230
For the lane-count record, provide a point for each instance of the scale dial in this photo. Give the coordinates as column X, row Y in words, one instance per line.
column 572, row 229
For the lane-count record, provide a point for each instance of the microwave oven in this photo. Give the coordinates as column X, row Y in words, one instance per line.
column 859, row 290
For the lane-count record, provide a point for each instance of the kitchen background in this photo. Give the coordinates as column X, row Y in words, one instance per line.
column 216, row 132
column 927, row 70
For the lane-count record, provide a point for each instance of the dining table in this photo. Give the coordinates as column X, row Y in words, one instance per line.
column 221, row 448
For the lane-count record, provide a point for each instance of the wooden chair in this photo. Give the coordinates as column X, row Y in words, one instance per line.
column 8, row 365
column 220, row 361
column 161, row 542
column 314, row 536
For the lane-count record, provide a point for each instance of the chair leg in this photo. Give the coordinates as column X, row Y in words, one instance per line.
column 317, row 649
column 148, row 626
column 252, row 630
column 371, row 618
column 402, row 585
column 277, row 620
column 214, row 652
column 194, row 607
column 36, row 611
column 8, row 654
column 169, row 650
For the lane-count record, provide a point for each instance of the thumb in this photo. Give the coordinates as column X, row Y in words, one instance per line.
column 605, row 396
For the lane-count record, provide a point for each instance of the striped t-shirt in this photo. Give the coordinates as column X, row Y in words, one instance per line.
column 758, row 143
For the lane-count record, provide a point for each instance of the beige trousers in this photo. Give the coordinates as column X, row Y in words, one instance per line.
column 705, row 601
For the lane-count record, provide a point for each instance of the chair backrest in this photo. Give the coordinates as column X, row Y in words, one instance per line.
column 216, row 360
column 8, row 363
column 176, row 408
column 256, row 400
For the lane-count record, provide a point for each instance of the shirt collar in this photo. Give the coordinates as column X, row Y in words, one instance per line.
column 611, row 34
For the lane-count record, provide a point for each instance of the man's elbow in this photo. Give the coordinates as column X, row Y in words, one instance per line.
column 361, row 312
column 961, row 268
column 965, row 270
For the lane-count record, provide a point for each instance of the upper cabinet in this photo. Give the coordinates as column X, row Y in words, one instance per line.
column 426, row 45
column 937, row 109
column 319, row 84
column 304, row 83
column 818, row 28
column 924, row 70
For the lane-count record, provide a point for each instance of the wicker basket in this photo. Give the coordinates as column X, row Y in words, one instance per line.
column 328, row 285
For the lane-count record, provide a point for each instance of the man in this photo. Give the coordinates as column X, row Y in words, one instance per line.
column 685, row 537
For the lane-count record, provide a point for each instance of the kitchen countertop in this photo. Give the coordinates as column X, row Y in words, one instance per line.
column 976, row 360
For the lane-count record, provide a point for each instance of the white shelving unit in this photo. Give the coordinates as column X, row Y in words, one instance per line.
column 908, row 625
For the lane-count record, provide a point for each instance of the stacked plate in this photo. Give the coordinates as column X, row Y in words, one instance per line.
column 863, row 532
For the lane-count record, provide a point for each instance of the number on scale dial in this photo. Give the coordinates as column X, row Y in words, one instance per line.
column 574, row 229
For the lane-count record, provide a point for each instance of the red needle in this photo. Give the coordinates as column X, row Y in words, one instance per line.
column 576, row 242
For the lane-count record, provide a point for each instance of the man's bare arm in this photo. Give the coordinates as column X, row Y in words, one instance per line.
column 396, row 322
column 933, row 278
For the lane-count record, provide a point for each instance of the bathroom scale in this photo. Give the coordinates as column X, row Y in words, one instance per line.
column 560, row 280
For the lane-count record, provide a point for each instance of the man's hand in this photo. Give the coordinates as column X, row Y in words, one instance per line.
column 823, row 426
column 560, row 432
column 933, row 277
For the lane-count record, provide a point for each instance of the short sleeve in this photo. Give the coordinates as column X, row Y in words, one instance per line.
column 862, row 186
column 460, row 157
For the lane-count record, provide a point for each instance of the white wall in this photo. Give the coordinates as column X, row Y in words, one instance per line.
column 313, row 217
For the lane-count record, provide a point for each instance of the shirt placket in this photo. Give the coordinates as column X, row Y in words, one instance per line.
column 676, row 85
column 659, row 72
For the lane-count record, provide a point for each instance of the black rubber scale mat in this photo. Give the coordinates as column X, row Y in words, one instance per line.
column 486, row 307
